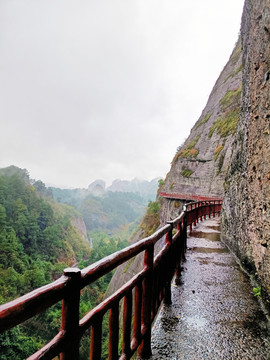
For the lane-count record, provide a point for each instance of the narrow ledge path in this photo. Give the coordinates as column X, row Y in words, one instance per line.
column 214, row 313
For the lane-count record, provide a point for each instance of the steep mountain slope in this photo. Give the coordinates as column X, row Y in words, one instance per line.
column 37, row 236
column 246, row 220
column 200, row 164
column 38, row 239
column 228, row 152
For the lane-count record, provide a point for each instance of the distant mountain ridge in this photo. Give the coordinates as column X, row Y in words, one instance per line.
column 108, row 208
column 98, row 207
column 144, row 188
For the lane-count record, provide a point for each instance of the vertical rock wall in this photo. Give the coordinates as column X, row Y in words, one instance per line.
column 246, row 215
column 200, row 164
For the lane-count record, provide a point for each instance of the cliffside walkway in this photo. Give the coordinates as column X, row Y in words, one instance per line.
column 141, row 296
column 214, row 313
column 188, row 197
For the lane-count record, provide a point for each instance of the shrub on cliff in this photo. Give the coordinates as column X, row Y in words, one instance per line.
column 150, row 221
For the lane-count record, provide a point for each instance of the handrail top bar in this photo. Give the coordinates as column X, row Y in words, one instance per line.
column 105, row 304
column 58, row 284
column 177, row 220
column 53, row 292
column 105, row 265
column 33, row 301
column 40, row 299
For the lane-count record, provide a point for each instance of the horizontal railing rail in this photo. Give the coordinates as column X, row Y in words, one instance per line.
column 141, row 296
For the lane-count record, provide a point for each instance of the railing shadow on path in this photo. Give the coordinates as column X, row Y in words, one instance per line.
column 142, row 295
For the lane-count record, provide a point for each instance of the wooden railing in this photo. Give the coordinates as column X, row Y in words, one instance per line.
column 141, row 296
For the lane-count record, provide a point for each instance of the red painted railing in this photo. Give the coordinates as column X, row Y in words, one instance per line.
column 190, row 197
column 141, row 296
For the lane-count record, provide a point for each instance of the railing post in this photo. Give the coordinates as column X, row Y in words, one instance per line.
column 167, row 294
column 205, row 210
column 96, row 338
column 195, row 215
column 185, row 235
column 144, row 350
column 127, row 315
column 137, row 316
column 114, row 332
column 70, row 315
column 181, row 246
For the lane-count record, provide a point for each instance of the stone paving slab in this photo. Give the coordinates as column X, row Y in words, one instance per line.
column 214, row 313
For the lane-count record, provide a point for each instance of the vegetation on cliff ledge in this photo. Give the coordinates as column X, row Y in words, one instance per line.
column 150, row 220
column 189, row 151
column 226, row 124
column 204, row 120
column 186, row 172
column 217, row 151
column 231, row 99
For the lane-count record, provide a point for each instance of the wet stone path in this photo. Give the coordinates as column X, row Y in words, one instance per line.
column 214, row 313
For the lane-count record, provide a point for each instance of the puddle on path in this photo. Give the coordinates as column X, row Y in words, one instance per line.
column 207, row 261
column 214, row 227
column 214, row 314
column 212, row 236
column 206, row 250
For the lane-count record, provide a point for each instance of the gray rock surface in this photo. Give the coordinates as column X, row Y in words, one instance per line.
column 206, row 152
column 246, row 217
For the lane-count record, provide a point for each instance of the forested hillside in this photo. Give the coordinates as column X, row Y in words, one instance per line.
column 38, row 239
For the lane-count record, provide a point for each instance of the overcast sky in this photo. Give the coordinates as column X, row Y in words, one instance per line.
column 106, row 89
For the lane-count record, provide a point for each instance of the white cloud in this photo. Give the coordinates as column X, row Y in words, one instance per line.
column 106, row 89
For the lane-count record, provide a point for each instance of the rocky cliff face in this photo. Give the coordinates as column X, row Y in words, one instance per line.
column 246, row 219
column 79, row 225
column 200, row 164
column 97, row 188
column 228, row 151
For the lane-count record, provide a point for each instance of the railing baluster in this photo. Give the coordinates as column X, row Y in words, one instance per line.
column 127, row 314
column 185, row 237
column 181, row 250
column 144, row 349
column 137, row 317
column 96, row 337
column 149, row 289
column 205, row 210
column 167, row 295
column 70, row 315
column 114, row 332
